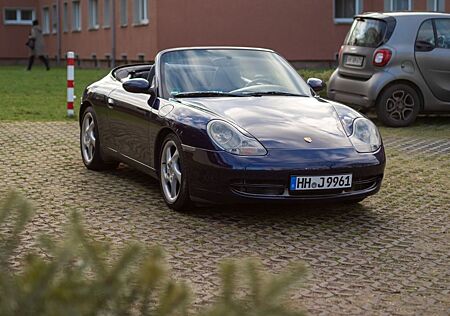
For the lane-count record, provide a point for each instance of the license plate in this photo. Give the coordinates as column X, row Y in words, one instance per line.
column 340, row 181
column 352, row 60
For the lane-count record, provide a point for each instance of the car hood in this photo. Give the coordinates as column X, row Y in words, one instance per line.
column 281, row 122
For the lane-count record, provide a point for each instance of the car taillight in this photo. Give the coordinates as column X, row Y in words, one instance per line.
column 382, row 57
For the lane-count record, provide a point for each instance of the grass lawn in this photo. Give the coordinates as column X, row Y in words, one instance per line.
column 40, row 95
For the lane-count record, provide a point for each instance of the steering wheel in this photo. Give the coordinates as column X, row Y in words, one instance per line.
column 258, row 80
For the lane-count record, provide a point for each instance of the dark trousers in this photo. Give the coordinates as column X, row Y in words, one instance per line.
column 42, row 58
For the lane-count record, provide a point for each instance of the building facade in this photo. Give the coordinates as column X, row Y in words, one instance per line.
column 98, row 31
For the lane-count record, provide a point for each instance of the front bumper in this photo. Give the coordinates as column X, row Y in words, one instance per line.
column 221, row 177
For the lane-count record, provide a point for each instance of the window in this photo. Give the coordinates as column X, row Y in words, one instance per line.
column 367, row 33
column 65, row 18
column 93, row 14
column 76, row 16
column 19, row 16
column 140, row 12
column 54, row 19
column 45, row 21
column 106, row 13
column 397, row 5
column 123, row 12
column 344, row 10
column 443, row 33
column 436, row 5
column 425, row 37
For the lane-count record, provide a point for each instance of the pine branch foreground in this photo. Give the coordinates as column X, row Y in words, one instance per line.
column 77, row 276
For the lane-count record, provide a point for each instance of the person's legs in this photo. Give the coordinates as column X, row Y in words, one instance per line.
column 45, row 61
column 30, row 62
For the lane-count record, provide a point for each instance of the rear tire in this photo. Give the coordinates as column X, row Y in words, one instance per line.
column 90, row 146
column 173, row 175
column 398, row 105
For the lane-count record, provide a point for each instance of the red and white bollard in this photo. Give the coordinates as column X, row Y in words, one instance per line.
column 70, row 82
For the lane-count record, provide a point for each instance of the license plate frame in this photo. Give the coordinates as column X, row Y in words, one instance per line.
column 307, row 183
column 354, row 60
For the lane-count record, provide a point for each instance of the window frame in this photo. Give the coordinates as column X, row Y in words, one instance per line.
column 359, row 5
column 54, row 19
column 46, row 27
column 18, row 20
column 65, row 17
column 123, row 13
column 391, row 6
column 436, row 6
column 76, row 19
column 93, row 16
column 140, row 12
column 107, row 13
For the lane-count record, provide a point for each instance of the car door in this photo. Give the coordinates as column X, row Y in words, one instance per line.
column 130, row 118
column 433, row 56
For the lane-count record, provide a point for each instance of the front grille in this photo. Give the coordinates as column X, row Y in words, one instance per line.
column 259, row 188
column 272, row 188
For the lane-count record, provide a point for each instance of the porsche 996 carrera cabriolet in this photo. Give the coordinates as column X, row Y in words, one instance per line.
column 229, row 125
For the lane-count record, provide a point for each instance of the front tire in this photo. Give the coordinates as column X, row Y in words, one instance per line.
column 173, row 175
column 398, row 106
column 90, row 143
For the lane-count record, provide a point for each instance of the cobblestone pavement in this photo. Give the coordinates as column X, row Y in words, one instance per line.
column 388, row 255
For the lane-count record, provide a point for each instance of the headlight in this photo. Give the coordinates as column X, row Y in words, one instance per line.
column 230, row 139
column 365, row 137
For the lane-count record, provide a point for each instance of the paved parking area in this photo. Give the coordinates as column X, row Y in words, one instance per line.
column 388, row 255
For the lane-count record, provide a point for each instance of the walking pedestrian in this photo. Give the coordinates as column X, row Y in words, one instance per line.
column 36, row 45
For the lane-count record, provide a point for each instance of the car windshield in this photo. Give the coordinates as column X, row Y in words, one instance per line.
column 228, row 73
column 367, row 33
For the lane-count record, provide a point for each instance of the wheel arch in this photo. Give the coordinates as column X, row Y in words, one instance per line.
column 158, row 144
column 83, row 108
column 406, row 82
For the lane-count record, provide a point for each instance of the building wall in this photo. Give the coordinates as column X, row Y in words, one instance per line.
column 300, row 30
column 130, row 40
column 14, row 37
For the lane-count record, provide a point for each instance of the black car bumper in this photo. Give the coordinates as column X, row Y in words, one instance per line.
column 225, row 178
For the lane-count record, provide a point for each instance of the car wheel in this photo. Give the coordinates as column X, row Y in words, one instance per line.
column 398, row 105
column 173, row 175
column 90, row 143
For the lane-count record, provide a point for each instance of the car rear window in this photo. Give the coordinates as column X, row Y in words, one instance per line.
column 366, row 33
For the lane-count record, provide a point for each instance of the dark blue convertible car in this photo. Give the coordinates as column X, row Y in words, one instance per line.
column 226, row 124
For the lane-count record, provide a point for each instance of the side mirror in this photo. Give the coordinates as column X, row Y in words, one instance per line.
column 137, row 85
column 316, row 84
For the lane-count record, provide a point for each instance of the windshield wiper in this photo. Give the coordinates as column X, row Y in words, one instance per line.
column 260, row 94
column 198, row 94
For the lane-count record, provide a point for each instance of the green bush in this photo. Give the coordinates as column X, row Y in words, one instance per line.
column 78, row 276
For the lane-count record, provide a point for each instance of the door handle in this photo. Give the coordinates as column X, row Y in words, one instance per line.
column 110, row 103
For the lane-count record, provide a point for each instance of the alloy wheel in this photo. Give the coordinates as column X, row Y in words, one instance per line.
column 88, row 138
column 400, row 105
column 170, row 171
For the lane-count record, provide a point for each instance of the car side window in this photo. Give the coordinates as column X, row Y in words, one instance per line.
column 425, row 37
column 443, row 33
